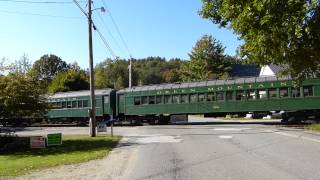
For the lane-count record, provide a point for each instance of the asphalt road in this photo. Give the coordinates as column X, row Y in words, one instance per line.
column 210, row 152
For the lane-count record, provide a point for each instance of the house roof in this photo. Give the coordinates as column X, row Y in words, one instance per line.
column 240, row 70
column 277, row 68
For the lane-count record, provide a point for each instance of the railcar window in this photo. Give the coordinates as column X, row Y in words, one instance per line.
column 80, row 104
column 211, row 97
column 106, row 99
column 144, row 100
column 307, row 91
column 167, row 99
column 64, row 104
column 262, row 94
column 201, row 97
column 193, row 98
column 184, row 98
column 85, row 103
column 251, row 95
column 240, row 95
column 137, row 101
column 151, row 100
column 69, row 104
column 295, row 93
column 229, row 95
column 220, row 96
column 159, row 99
column 272, row 93
column 58, row 105
column 74, row 104
column 176, row 99
column 283, row 92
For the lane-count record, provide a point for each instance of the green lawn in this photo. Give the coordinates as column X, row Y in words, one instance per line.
column 314, row 127
column 74, row 149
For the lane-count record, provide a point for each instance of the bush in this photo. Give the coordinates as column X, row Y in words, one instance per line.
column 11, row 142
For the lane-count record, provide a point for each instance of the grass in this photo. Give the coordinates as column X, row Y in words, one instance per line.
column 313, row 127
column 75, row 149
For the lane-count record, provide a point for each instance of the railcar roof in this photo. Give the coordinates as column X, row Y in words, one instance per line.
column 203, row 83
column 80, row 93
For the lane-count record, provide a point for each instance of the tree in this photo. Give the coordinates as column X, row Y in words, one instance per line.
column 48, row 66
column 206, row 61
column 21, row 66
column 20, row 97
column 72, row 80
column 274, row 32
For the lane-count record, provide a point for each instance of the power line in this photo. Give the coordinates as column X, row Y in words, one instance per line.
column 81, row 9
column 109, row 32
column 39, row 2
column 105, row 42
column 36, row 14
column 117, row 28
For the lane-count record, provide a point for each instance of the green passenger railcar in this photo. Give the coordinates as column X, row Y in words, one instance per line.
column 75, row 105
column 257, row 94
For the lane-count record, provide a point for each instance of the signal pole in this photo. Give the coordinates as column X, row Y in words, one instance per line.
column 92, row 94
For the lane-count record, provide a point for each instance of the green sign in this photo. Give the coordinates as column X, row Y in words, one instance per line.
column 54, row 139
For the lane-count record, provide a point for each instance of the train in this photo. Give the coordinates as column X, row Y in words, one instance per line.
column 155, row 104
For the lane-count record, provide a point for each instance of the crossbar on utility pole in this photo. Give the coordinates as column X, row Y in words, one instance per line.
column 92, row 94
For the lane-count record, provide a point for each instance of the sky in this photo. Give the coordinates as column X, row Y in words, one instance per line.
column 165, row 28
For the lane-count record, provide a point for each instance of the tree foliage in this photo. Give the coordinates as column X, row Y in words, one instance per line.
column 20, row 96
column 151, row 70
column 72, row 80
column 207, row 61
column 48, row 66
column 274, row 31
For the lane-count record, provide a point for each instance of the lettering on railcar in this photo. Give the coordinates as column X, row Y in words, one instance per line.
column 283, row 84
column 221, row 88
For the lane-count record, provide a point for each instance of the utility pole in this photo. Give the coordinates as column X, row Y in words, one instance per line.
column 130, row 73
column 92, row 94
